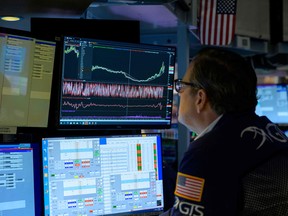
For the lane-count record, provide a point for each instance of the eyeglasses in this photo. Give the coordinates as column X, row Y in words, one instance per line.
column 180, row 85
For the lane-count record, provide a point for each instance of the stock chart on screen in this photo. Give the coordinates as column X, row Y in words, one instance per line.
column 115, row 84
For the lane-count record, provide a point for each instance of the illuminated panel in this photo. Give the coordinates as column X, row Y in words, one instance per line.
column 76, row 150
column 273, row 102
column 79, row 187
column 115, row 84
column 101, row 175
column 26, row 67
column 16, row 178
column 132, row 181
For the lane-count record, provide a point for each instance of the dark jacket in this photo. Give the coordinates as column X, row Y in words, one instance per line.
column 211, row 176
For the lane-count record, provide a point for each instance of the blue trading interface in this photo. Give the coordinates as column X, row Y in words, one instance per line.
column 102, row 175
column 16, row 180
column 273, row 102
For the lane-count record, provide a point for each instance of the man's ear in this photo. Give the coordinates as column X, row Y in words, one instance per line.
column 201, row 100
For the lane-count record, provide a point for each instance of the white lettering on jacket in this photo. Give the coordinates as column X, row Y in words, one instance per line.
column 272, row 132
column 189, row 209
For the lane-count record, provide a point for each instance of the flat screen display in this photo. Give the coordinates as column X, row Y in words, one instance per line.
column 103, row 175
column 115, row 85
column 273, row 102
column 26, row 68
column 20, row 181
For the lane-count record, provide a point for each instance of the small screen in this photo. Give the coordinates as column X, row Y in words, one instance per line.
column 273, row 102
column 107, row 84
column 104, row 175
column 19, row 183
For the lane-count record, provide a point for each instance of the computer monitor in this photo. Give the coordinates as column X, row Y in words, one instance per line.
column 273, row 102
column 20, row 179
column 115, row 85
column 103, row 175
column 26, row 68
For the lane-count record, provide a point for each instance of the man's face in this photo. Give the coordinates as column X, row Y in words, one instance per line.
column 187, row 108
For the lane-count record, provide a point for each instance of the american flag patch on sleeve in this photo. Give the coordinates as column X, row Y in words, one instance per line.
column 189, row 187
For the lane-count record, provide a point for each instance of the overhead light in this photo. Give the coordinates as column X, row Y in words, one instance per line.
column 11, row 18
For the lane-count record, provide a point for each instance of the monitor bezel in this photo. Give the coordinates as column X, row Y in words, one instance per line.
column 57, row 88
column 111, row 135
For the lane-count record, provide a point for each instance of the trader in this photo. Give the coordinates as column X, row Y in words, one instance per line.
column 237, row 164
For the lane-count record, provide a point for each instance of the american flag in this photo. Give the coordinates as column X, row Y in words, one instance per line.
column 189, row 187
column 217, row 21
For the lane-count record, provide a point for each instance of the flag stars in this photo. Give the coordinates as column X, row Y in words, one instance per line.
column 226, row 7
column 217, row 21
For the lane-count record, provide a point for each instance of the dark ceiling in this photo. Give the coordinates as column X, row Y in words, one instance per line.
column 159, row 19
column 156, row 16
column 26, row 7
